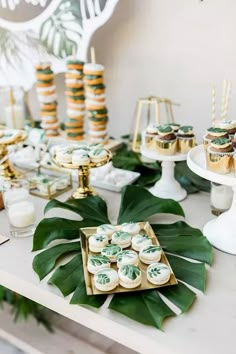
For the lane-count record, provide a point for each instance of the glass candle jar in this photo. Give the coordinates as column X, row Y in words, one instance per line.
column 20, row 209
column 221, row 198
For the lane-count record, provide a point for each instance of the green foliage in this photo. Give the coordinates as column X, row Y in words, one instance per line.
column 22, row 307
column 137, row 204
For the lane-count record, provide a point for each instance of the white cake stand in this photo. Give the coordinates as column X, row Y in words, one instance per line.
column 167, row 187
column 220, row 232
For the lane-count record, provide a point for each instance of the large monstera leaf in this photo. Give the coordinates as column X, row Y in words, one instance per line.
column 189, row 251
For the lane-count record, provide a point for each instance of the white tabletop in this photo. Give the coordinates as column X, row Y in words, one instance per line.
column 209, row 327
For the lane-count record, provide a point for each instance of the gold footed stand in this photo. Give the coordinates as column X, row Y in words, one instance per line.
column 7, row 171
column 84, row 189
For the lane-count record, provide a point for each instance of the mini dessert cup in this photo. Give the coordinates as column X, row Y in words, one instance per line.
column 213, row 133
column 149, row 141
column 186, row 139
column 166, row 142
column 220, row 156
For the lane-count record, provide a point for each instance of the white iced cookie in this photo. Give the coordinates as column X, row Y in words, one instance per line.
column 130, row 276
column 106, row 229
column 97, row 262
column 158, row 273
column 150, row 254
column 96, row 146
column 106, row 279
column 64, row 155
column 97, row 242
column 111, row 251
column 140, row 240
column 121, row 238
column 132, row 228
column 127, row 257
column 91, row 68
column 98, row 155
column 80, row 158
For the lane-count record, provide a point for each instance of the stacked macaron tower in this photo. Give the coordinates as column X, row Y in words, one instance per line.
column 125, row 256
column 96, row 103
column 220, row 144
column 74, row 124
column 46, row 92
column 169, row 139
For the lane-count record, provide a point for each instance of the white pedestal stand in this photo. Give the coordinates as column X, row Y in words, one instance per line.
column 221, row 232
column 167, row 187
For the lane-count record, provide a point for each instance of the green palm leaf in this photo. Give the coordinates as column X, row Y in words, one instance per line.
column 137, row 204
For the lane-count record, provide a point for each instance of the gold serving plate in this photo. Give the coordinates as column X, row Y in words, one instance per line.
column 85, row 233
column 84, row 189
column 218, row 163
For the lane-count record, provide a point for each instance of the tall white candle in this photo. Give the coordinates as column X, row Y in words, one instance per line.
column 22, row 214
column 19, row 119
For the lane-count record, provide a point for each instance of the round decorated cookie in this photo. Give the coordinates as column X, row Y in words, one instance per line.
column 106, row 279
column 139, row 241
column 130, row 276
column 97, row 242
column 97, row 262
column 150, row 254
column 98, row 155
column 106, row 229
column 80, row 158
column 121, row 238
column 158, row 273
column 111, row 251
column 127, row 257
column 132, row 228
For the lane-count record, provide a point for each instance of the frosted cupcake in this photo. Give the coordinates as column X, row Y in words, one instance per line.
column 158, row 273
column 220, row 156
column 106, row 279
column 139, row 241
column 228, row 125
column 127, row 257
column 149, row 139
column 97, row 262
column 106, row 229
column 150, row 254
column 111, row 251
column 186, row 139
column 130, row 276
column 121, row 238
column 166, row 141
column 214, row 133
column 234, row 141
column 97, row 242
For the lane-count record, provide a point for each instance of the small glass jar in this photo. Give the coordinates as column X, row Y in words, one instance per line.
column 20, row 209
column 221, row 198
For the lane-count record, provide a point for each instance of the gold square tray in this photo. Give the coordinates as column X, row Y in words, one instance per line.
column 86, row 232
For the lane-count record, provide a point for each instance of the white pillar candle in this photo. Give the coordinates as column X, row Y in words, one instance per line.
column 12, row 196
column 22, row 214
column 221, row 197
column 18, row 120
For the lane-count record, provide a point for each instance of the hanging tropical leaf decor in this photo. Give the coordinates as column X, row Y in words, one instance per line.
column 187, row 250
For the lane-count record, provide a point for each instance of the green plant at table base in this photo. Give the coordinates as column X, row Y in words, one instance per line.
column 151, row 172
column 22, row 307
column 137, row 204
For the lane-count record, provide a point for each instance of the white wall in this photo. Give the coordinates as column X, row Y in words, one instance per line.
column 172, row 48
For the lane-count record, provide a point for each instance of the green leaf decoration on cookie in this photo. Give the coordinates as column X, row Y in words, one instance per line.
column 100, row 238
column 111, row 249
column 130, row 271
column 121, row 235
column 103, row 279
column 127, row 254
column 154, row 272
column 142, row 238
column 64, row 265
column 98, row 260
column 151, row 249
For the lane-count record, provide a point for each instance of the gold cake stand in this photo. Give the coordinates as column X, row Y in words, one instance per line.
column 7, row 171
column 84, row 189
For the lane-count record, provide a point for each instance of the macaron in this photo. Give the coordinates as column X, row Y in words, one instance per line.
column 158, row 273
column 111, row 251
column 106, row 229
column 97, row 262
column 132, row 228
column 121, row 238
column 98, row 155
column 106, row 279
column 127, row 257
column 80, row 158
column 140, row 240
column 130, row 276
column 150, row 254
column 97, row 242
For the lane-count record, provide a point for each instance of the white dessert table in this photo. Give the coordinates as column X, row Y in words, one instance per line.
column 209, row 327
